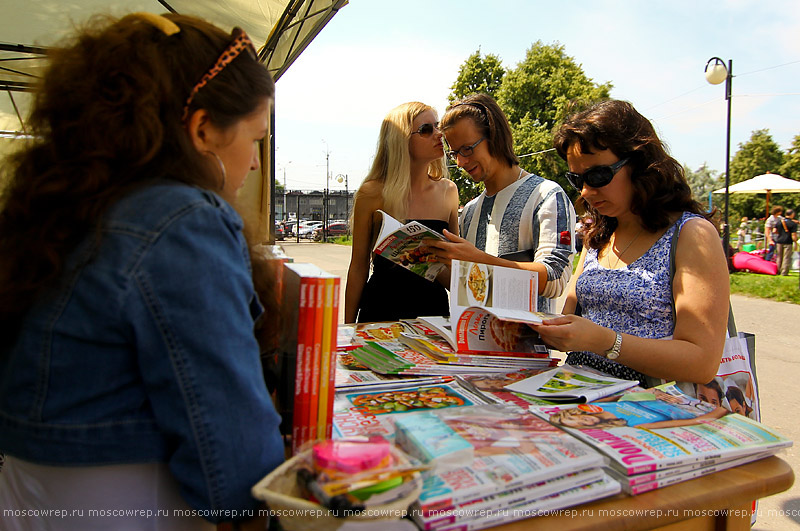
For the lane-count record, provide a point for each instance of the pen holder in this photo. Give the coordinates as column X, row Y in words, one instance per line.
column 279, row 489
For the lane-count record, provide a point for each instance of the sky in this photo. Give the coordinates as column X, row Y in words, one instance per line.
column 376, row 54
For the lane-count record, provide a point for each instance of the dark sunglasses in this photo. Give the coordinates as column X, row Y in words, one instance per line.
column 464, row 151
column 596, row 177
column 426, row 130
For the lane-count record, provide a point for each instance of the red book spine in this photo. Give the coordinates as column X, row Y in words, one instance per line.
column 332, row 375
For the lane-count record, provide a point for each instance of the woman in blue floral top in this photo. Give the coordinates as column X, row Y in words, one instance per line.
column 637, row 196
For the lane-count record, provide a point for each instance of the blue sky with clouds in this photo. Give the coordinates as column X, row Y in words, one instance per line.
column 375, row 54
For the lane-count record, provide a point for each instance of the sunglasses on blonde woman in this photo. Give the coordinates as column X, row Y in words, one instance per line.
column 426, row 130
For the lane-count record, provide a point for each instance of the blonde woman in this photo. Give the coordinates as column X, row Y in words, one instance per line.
column 406, row 181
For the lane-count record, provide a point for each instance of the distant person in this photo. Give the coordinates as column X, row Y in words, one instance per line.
column 742, row 234
column 769, row 232
column 520, row 220
column 407, row 181
column 131, row 387
column 620, row 304
column 785, row 237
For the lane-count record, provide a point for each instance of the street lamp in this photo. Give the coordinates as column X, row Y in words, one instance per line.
column 343, row 179
column 716, row 73
column 327, row 191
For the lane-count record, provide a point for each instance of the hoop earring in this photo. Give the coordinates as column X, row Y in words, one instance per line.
column 221, row 167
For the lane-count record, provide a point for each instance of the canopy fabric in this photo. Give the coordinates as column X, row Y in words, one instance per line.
column 280, row 29
column 766, row 183
column 762, row 184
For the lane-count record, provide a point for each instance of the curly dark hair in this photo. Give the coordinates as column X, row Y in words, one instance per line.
column 659, row 183
column 106, row 119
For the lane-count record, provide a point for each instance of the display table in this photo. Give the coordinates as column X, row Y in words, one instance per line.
column 695, row 504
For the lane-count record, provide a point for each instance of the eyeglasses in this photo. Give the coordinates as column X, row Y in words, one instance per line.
column 426, row 130
column 596, row 177
column 239, row 43
column 464, row 151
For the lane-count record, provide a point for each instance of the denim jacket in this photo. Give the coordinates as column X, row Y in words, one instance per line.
column 145, row 353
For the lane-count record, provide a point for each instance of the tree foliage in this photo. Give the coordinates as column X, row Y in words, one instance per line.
column 761, row 154
column 544, row 84
column 703, row 181
column 478, row 74
column 791, row 161
column 535, row 95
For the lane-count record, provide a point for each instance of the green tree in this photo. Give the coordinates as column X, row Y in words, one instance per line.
column 703, row 181
column 478, row 74
column 533, row 144
column 791, row 161
column 760, row 154
column 544, row 84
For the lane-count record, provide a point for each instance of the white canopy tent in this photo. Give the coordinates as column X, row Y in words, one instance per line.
column 280, row 29
column 766, row 183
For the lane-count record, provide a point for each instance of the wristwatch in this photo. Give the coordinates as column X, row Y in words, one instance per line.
column 613, row 352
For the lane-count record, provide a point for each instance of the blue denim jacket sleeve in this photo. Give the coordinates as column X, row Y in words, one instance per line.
column 192, row 294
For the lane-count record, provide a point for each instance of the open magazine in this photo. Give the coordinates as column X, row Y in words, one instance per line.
column 571, row 384
column 401, row 244
column 667, row 430
column 490, row 308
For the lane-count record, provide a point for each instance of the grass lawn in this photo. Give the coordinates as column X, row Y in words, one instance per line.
column 777, row 288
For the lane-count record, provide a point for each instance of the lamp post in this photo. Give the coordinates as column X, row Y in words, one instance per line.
column 327, row 188
column 343, row 179
column 716, row 73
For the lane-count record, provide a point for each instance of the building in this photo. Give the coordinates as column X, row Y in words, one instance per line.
column 296, row 204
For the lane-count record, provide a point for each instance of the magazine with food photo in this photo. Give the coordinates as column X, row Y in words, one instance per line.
column 403, row 245
column 490, row 309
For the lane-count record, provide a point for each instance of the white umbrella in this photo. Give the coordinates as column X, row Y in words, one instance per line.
column 763, row 184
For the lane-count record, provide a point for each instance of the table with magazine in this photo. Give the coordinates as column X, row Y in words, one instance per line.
column 515, row 441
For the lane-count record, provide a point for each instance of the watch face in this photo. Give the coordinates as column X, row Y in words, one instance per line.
column 612, row 354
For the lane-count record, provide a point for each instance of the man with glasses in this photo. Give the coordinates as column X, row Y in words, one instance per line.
column 521, row 220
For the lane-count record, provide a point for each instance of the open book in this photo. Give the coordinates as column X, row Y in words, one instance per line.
column 571, row 384
column 401, row 244
column 490, row 307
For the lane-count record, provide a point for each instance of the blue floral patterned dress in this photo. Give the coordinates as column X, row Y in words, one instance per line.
column 635, row 299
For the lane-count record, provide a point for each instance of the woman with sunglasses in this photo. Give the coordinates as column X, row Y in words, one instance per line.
column 637, row 197
column 407, row 182
column 131, row 389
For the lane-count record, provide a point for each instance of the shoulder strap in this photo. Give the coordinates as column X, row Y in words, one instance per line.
column 673, row 245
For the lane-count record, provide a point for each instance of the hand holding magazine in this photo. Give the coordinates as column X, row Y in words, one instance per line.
column 490, row 308
column 402, row 244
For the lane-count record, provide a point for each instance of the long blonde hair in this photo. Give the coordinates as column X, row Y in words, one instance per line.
column 392, row 163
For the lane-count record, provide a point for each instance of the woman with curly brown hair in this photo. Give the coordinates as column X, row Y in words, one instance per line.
column 130, row 378
column 637, row 197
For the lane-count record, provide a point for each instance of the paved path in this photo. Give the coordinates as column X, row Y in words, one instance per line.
column 777, row 329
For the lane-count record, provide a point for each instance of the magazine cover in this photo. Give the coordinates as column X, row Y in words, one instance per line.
column 540, row 507
column 571, row 384
column 494, row 387
column 669, row 430
column 373, row 412
column 402, row 245
column 352, row 373
column 511, row 449
column 470, row 510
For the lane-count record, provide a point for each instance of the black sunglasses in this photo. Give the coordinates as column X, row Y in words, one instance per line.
column 426, row 130
column 464, row 151
column 596, row 177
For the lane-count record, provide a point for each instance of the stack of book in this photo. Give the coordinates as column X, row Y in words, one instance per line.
column 661, row 437
column 307, row 352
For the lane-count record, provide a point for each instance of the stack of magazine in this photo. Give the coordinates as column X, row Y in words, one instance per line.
column 517, row 466
column 660, row 437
